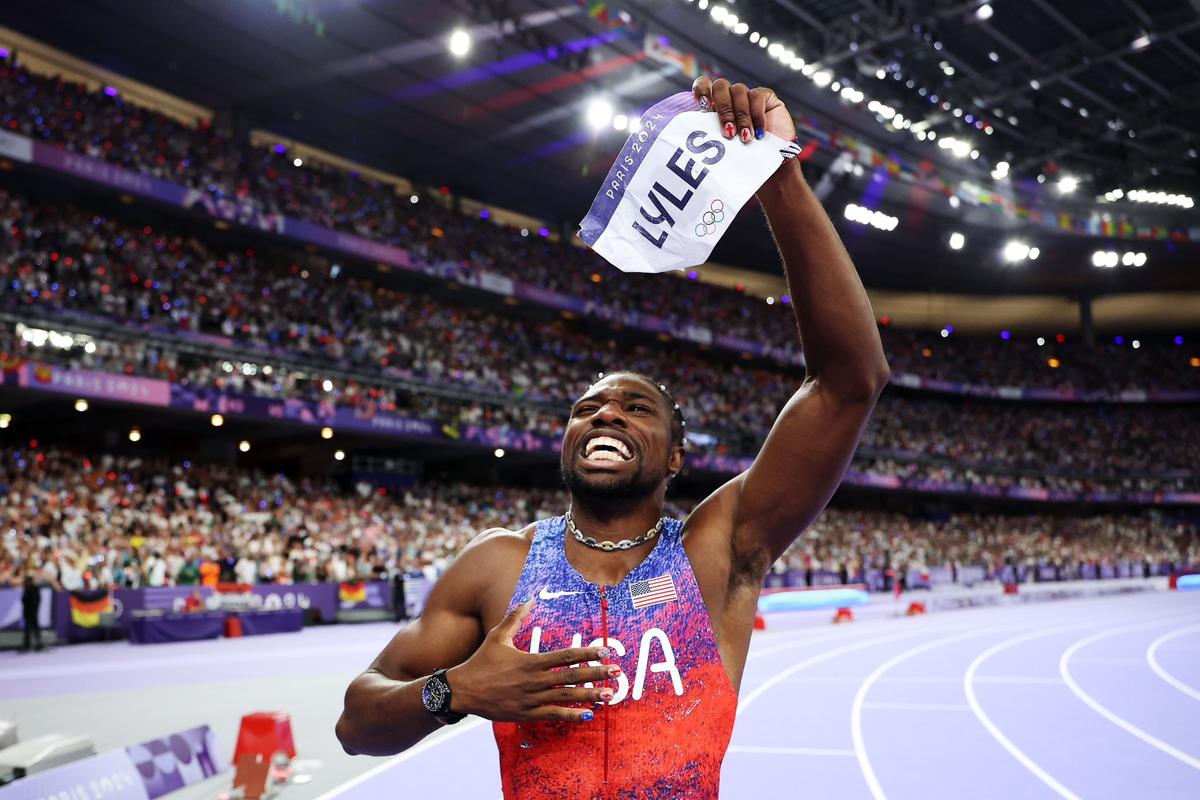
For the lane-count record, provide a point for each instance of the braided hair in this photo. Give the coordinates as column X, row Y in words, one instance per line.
column 678, row 423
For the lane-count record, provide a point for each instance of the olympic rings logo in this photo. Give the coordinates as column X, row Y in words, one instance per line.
column 711, row 218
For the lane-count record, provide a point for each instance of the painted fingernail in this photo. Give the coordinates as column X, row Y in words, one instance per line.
column 605, row 652
column 759, row 133
column 704, row 104
column 586, row 716
column 729, row 130
column 745, row 136
column 614, row 671
column 606, row 694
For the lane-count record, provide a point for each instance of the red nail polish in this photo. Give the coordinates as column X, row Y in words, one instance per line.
column 728, row 130
column 746, row 136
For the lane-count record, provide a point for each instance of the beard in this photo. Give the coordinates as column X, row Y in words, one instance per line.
column 607, row 486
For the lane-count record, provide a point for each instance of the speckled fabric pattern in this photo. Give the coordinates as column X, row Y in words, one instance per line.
column 671, row 717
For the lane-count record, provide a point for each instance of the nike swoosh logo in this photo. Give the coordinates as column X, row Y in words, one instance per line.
column 546, row 594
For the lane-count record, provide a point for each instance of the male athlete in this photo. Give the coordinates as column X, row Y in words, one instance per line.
column 607, row 644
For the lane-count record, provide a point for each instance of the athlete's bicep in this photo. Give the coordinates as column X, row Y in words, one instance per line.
column 445, row 635
column 797, row 470
column 451, row 627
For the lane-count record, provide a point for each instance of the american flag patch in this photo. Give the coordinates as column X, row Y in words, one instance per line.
column 653, row 592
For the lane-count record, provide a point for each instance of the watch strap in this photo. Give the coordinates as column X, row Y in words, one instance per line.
column 443, row 712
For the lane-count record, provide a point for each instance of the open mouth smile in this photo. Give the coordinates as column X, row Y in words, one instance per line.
column 607, row 449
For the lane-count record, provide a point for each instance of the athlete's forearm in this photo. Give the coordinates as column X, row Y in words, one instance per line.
column 382, row 716
column 837, row 326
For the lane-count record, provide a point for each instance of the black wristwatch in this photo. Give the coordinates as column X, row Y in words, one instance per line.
column 436, row 697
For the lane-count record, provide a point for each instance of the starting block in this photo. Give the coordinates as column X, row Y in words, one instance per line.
column 265, row 733
column 760, row 622
column 915, row 609
column 233, row 627
column 1010, row 588
column 843, row 615
column 1173, row 581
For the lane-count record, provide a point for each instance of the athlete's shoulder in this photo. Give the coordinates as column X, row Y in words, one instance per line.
column 499, row 542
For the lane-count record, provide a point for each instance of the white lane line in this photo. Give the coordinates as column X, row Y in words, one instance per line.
column 412, row 752
column 155, row 664
column 783, row 675
column 1064, row 669
column 969, row 681
column 1152, row 660
column 791, row 751
column 1018, row 679
column 791, row 643
column 917, row 706
column 856, row 731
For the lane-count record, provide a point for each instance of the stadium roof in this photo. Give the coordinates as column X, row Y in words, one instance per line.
column 1105, row 92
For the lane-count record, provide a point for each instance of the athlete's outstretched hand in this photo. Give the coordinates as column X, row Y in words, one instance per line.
column 504, row 684
column 745, row 113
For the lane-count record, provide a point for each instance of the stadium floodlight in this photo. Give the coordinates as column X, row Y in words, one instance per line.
column 1067, row 184
column 498, row 452
column 822, row 78
column 81, row 405
column 957, row 240
column 984, row 12
column 718, row 13
column 620, row 122
column 1015, row 251
column 135, row 435
column 297, row 162
column 326, row 432
column 1139, row 260
column 460, row 43
column 599, row 112
column 216, row 420
column 339, row 455
column 244, row 446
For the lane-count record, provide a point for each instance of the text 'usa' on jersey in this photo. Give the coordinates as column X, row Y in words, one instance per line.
column 665, row 732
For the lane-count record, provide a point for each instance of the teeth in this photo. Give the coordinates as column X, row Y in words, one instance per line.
column 591, row 449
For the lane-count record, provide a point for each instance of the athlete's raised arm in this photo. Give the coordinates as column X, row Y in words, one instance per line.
column 810, row 445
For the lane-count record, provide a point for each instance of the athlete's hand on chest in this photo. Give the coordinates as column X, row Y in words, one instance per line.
column 504, row 684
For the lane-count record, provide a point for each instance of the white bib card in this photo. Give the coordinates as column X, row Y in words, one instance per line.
column 675, row 188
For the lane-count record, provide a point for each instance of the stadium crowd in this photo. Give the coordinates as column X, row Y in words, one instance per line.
column 117, row 520
column 99, row 269
column 1085, row 448
column 105, row 126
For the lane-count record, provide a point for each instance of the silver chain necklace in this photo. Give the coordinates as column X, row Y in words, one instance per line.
column 607, row 546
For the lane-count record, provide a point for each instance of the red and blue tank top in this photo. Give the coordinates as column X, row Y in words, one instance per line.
column 664, row 734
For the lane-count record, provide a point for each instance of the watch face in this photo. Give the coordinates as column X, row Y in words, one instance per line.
column 433, row 695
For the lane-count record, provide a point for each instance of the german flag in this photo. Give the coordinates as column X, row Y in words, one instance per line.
column 352, row 593
column 88, row 605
